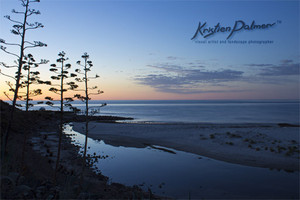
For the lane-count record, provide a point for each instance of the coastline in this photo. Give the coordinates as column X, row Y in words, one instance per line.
column 260, row 145
column 225, row 142
column 27, row 171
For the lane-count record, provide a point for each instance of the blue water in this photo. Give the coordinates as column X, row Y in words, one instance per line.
column 183, row 175
column 206, row 111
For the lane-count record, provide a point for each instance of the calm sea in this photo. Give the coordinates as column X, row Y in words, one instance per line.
column 200, row 111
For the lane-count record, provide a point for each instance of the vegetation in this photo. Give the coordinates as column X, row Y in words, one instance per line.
column 20, row 29
column 34, row 178
column 28, row 177
column 32, row 77
column 61, row 75
column 86, row 65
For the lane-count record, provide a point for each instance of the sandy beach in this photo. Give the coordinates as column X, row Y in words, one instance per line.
column 260, row 145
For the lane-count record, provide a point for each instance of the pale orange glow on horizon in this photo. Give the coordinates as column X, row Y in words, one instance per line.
column 120, row 88
column 129, row 91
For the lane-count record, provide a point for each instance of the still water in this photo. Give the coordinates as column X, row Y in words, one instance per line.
column 179, row 174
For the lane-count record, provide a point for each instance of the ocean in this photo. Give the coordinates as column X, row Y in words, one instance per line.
column 198, row 111
column 185, row 175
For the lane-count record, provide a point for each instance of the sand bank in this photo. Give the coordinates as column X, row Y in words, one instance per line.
column 260, row 145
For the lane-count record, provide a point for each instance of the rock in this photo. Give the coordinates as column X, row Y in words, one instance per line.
column 7, row 184
column 18, row 179
column 83, row 195
column 42, row 109
column 76, row 188
column 51, row 196
column 14, row 175
column 40, row 191
column 24, row 191
column 21, row 180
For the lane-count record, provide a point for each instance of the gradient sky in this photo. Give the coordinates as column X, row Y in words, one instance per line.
column 143, row 49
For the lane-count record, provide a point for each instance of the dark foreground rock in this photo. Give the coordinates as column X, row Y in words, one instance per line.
column 26, row 174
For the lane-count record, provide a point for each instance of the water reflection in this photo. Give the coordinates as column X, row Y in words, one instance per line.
column 182, row 175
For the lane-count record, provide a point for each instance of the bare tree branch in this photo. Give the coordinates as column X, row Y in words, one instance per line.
column 7, row 96
column 7, row 75
column 35, row 26
column 94, row 77
column 3, row 42
column 28, row 43
column 35, row 44
column 7, row 66
column 4, row 49
column 96, row 93
column 17, row 12
column 8, row 17
column 34, row 1
column 33, row 11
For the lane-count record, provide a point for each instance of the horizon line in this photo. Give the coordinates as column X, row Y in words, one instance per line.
column 172, row 100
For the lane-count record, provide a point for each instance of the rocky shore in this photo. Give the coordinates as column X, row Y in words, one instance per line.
column 27, row 172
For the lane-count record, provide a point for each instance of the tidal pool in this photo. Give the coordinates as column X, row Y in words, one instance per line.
column 179, row 174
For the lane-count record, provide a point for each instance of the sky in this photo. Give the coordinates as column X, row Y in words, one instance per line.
column 143, row 49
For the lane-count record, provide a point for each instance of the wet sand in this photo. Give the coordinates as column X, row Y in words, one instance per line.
column 259, row 145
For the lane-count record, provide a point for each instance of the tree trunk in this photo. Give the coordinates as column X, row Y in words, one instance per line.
column 86, row 108
column 86, row 118
column 7, row 132
column 61, row 120
column 27, row 93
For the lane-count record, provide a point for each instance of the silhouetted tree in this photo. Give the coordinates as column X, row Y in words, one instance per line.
column 26, row 93
column 30, row 78
column 87, row 65
column 20, row 29
column 61, row 72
